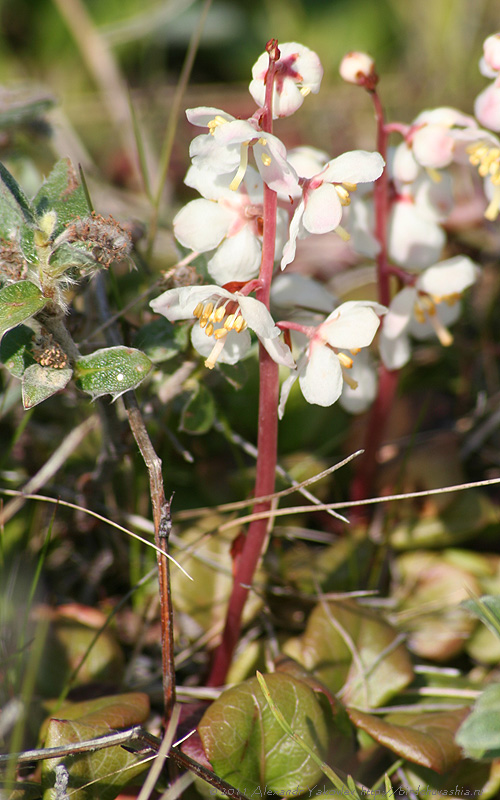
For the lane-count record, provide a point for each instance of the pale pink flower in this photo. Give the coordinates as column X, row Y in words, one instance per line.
column 358, row 68
column 298, row 73
column 425, row 309
column 323, row 367
column 326, row 194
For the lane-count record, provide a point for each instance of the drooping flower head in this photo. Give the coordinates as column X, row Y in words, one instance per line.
column 425, row 309
column 323, row 367
column 230, row 223
column 298, row 73
column 326, row 194
column 359, row 68
column 223, row 318
column 225, row 149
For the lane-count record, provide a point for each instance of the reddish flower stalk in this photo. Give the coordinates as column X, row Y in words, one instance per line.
column 362, row 484
column 267, row 436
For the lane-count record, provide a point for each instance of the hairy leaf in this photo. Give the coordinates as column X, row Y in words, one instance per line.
column 40, row 383
column 18, row 302
column 16, row 350
column 112, row 370
column 62, row 193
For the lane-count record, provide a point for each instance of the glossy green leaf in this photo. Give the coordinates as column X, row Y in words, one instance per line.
column 62, row 193
column 427, row 739
column 15, row 350
column 40, row 383
column 248, row 748
column 112, row 370
column 161, row 340
column 351, row 648
column 112, row 767
column 198, row 414
column 18, row 302
column 479, row 735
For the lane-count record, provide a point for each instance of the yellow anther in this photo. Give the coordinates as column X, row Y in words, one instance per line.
column 343, row 194
column 351, row 187
column 219, row 313
column 305, row 90
column 350, row 381
column 220, row 333
column 346, row 361
column 209, row 329
column 216, row 122
column 239, row 324
column 198, row 310
column 228, row 322
column 266, row 159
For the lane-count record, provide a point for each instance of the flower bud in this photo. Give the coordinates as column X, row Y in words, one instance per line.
column 359, row 68
column 491, row 49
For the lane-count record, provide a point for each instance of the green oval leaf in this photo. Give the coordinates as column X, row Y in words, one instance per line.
column 18, row 302
column 112, row 370
column 248, row 748
column 40, row 383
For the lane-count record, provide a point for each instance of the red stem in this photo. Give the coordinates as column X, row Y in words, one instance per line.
column 267, row 436
column 362, row 484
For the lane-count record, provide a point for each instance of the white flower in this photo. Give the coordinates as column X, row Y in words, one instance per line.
column 298, row 73
column 425, row 309
column 225, row 149
column 229, row 222
column 431, row 141
column 320, row 369
column 325, row 194
column 359, row 393
column 223, row 318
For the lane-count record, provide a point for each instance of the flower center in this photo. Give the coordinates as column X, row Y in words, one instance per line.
column 425, row 311
column 216, row 122
column 218, row 320
column 487, row 160
column 343, row 190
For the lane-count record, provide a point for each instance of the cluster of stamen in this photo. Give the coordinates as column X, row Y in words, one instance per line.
column 343, row 190
column 487, row 160
column 227, row 316
column 425, row 311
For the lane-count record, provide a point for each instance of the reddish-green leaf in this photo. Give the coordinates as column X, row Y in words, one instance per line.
column 248, row 748
column 426, row 739
column 112, row 767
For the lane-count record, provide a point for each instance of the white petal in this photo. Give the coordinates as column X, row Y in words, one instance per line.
column 202, row 224
column 285, row 391
column 487, row 107
column 202, row 115
column 291, row 289
column 433, row 146
column 237, row 259
column 358, row 400
column 323, row 211
column 321, row 382
column 279, row 351
column 356, row 166
column 236, row 345
column 276, row 172
column 414, row 242
column 257, row 317
column 395, row 353
column 208, row 154
column 404, row 167
column 400, row 312
column 296, row 230
column 452, row 276
column 349, row 327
